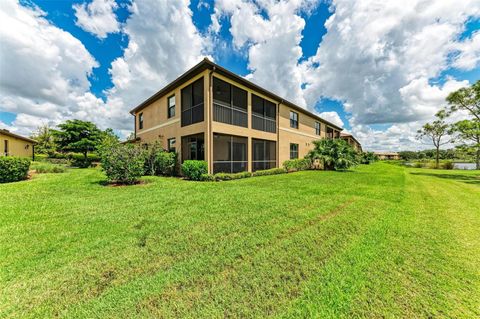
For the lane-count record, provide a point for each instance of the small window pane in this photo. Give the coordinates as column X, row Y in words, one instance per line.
column 221, row 91
column 270, row 109
column 257, row 105
column 239, row 98
column 186, row 97
column 198, row 92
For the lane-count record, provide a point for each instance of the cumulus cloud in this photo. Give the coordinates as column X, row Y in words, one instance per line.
column 44, row 69
column 97, row 17
column 270, row 32
column 163, row 43
column 332, row 117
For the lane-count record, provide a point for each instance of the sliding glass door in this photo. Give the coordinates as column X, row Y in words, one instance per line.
column 264, row 154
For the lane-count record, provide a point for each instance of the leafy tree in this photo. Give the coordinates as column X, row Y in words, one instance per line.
column 467, row 99
column 78, row 136
column 335, row 154
column 367, row 157
column 437, row 131
column 469, row 132
column 45, row 140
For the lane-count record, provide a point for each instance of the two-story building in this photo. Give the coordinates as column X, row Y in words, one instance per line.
column 350, row 139
column 212, row 114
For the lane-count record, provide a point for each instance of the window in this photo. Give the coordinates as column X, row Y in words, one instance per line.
column 264, row 154
column 229, row 154
column 171, row 145
column 229, row 103
column 293, row 119
column 171, row 106
column 293, row 151
column 140, row 121
column 317, row 128
column 263, row 114
column 329, row 132
column 192, row 103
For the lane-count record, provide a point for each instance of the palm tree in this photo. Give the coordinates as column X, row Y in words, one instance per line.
column 334, row 154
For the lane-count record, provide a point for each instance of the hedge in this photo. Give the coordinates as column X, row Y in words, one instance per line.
column 272, row 171
column 13, row 169
column 194, row 170
column 297, row 164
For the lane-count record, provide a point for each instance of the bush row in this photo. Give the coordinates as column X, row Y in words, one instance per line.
column 13, row 169
column 297, row 164
column 197, row 171
column 46, row 167
column 431, row 164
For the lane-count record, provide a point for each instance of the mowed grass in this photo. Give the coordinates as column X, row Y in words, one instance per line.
column 378, row 241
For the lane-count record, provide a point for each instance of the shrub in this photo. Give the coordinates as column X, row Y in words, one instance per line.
column 447, row 165
column 123, row 164
column 207, row 178
column 272, row 171
column 367, row 158
column 166, row 163
column 150, row 153
column 417, row 164
column 194, row 169
column 41, row 168
column 63, row 161
column 227, row 176
column 13, row 169
column 334, row 154
column 297, row 164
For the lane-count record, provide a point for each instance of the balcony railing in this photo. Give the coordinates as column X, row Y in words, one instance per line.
column 263, row 123
column 230, row 115
column 229, row 166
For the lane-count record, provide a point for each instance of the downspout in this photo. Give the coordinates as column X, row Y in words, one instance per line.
column 278, row 133
column 33, row 152
column 209, row 124
column 134, row 127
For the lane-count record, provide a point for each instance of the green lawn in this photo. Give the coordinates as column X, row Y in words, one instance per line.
column 379, row 241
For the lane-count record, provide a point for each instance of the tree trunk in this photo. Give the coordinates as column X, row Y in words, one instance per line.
column 85, row 155
column 437, row 157
column 478, row 158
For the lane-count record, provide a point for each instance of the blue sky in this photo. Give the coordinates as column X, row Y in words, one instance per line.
column 335, row 69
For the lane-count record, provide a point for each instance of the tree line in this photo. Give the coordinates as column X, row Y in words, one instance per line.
column 72, row 136
column 464, row 133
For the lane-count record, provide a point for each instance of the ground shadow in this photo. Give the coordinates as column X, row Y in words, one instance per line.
column 469, row 179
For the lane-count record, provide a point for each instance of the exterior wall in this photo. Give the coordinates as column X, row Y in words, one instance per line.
column 16, row 146
column 303, row 136
column 356, row 146
column 156, row 126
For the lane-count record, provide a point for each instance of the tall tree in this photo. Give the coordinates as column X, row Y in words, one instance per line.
column 78, row 136
column 436, row 131
column 45, row 140
column 467, row 99
column 469, row 132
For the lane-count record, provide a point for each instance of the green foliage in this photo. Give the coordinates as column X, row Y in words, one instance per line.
column 367, row 158
column 78, row 136
column 436, row 132
column 469, row 133
column 207, row 178
column 334, row 154
column 447, row 165
column 297, row 164
column 150, row 152
column 46, row 167
column 122, row 163
column 228, row 177
column 466, row 99
column 271, row 171
column 194, row 170
column 166, row 163
column 13, row 169
column 45, row 140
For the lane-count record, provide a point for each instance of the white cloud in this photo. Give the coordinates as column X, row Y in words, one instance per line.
column 97, row 17
column 332, row 117
column 163, row 43
column 468, row 57
column 44, row 69
column 270, row 31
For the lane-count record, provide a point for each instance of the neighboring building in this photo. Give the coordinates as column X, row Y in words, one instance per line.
column 352, row 141
column 16, row 145
column 387, row 155
column 212, row 114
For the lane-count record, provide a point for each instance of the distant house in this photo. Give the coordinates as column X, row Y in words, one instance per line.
column 388, row 155
column 352, row 141
column 16, row 145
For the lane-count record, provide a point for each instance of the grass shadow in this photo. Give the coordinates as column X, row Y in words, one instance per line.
column 469, row 179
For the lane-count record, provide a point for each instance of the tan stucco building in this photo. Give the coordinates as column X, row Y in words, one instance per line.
column 16, row 145
column 352, row 141
column 387, row 155
column 212, row 114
